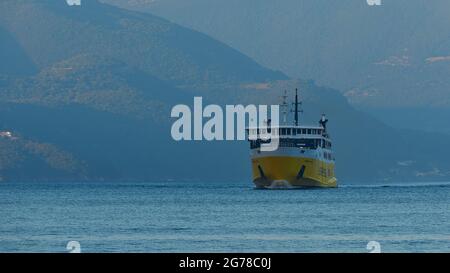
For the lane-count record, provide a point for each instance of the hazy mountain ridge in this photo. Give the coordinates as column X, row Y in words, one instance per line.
column 107, row 31
column 23, row 159
column 396, row 53
column 107, row 102
column 103, row 85
column 99, row 83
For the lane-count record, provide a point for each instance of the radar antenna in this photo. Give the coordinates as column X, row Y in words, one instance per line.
column 323, row 122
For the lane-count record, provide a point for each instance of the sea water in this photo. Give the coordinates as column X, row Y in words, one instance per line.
column 227, row 217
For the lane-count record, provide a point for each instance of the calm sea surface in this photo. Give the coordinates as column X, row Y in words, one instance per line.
column 207, row 217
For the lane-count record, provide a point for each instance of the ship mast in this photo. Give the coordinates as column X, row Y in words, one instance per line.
column 296, row 106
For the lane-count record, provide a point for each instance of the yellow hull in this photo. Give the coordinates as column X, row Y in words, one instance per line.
column 289, row 171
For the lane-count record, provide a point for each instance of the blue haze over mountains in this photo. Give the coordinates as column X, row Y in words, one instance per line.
column 392, row 61
column 87, row 92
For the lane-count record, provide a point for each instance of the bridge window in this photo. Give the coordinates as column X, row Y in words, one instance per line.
column 288, row 131
column 309, row 131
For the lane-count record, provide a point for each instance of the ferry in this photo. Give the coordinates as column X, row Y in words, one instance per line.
column 303, row 159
